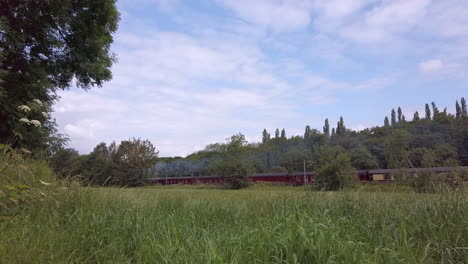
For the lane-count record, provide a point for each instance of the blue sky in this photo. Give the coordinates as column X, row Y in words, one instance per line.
column 190, row 73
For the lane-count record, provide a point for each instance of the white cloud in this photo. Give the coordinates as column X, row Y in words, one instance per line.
column 430, row 66
column 278, row 15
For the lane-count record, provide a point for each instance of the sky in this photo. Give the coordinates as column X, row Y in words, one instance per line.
column 190, row 73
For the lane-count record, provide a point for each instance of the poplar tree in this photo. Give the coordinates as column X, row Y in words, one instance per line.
column 458, row 110
column 333, row 132
column 400, row 115
column 393, row 117
column 326, row 128
column 283, row 134
column 435, row 110
column 464, row 111
column 416, row 116
column 277, row 133
column 342, row 126
column 265, row 136
column 386, row 122
column 428, row 112
column 307, row 132
column 338, row 128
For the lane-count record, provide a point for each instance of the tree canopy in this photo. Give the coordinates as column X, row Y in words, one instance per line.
column 51, row 45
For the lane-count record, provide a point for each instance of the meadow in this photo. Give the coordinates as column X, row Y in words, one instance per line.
column 260, row 224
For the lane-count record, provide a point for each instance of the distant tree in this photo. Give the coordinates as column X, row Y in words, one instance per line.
column 416, row 116
column 386, row 122
column 326, row 128
column 233, row 171
column 62, row 162
column 335, row 171
column 333, row 133
column 428, row 112
column 400, row 115
column 435, row 110
column 396, row 147
column 446, row 155
column 134, row 159
column 283, row 134
column 307, row 132
column 362, row 159
column 277, row 133
column 342, row 125
column 464, row 110
column 458, row 110
column 421, row 158
column 403, row 118
column 265, row 136
column 393, row 117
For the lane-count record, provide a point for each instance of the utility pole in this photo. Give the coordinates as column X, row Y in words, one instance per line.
column 305, row 177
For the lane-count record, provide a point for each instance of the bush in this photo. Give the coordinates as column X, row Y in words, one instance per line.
column 335, row 171
column 426, row 181
column 233, row 171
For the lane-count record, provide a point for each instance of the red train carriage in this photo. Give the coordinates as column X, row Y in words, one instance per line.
column 300, row 178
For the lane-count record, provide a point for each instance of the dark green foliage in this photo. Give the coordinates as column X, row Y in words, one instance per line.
column 44, row 46
column 396, row 146
column 233, row 171
column 265, row 136
column 428, row 112
column 283, row 134
column 435, row 110
column 326, row 128
column 416, row 116
column 307, row 132
column 393, row 117
column 464, row 111
column 400, row 115
column 277, row 133
column 128, row 164
column 362, row 159
column 458, row 110
column 386, row 122
column 63, row 162
column 334, row 171
column 422, row 158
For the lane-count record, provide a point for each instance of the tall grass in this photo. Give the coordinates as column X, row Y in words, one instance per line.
column 248, row 226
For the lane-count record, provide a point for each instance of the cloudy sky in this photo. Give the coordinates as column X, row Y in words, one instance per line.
column 190, row 73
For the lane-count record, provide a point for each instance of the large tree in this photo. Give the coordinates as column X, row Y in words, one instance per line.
column 50, row 45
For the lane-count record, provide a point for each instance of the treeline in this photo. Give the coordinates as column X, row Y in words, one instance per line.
column 126, row 164
column 439, row 138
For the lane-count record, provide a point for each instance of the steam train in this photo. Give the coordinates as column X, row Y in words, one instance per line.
column 301, row 178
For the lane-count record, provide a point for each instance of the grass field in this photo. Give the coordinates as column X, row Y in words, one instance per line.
column 262, row 224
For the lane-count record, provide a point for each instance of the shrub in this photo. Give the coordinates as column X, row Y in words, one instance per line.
column 233, row 171
column 335, row 171
column 426, row 181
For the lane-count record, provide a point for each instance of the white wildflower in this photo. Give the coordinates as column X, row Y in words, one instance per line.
column 25, row 120
column 45, row 183
column 36, row 123
column 24, row 108
column 45, row 114
column 38, row 102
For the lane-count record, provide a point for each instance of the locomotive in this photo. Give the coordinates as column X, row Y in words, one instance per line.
column 301, row 178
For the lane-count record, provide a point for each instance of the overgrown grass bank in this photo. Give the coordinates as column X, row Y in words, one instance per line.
column 263, row 225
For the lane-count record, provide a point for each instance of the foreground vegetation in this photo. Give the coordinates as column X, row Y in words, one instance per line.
column 261, row 224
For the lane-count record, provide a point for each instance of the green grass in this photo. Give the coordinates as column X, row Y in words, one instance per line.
column 262, row 224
